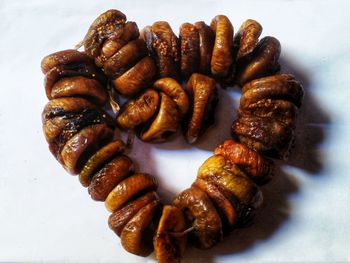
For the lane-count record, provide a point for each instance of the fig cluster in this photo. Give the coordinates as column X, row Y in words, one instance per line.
column 169, row 84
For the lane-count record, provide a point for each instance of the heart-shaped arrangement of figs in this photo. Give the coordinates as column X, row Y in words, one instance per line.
column 148, row 69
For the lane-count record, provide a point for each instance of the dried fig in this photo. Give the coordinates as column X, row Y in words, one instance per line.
column 136, row 78
column 255, row 165
column 263, row 61
column 169, row 241
column 129, row 188
column 202, row 215
column 166, row 122
column 222, row 58
column 139, row 110
column 190, row 55
column 202, row 92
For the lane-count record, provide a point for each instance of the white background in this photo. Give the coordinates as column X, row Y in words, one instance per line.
column 45, row 214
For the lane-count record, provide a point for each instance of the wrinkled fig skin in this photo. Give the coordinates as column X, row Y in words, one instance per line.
column 109, row 176
column 247, row 38
column 206, row 44
column 189, row 47
column 139, row 110
column 222, row 58
column 255, row 165
column 136, row 236
column 137, row 78
column 101, row 157
column 224, row 207
column 101, row 29
column 64, row 117
column 163, row 46
column 169, row 248
column 173, row 89
column 64, row 57
column 71, row 66
column 202, row 215
column 266, row 135
column 202, row 92
column 80, row 86
column 129, row 188
column 277, row 87
column 262, row 62
column 166, row 122
column 221, row 172
column 81, row 146
column 125, row 58
column 120, row 218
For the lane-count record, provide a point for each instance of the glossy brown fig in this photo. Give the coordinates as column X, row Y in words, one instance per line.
column 104, row 181
column 265, row 135
column 101, row 29
column 173, row 89
column 222, row 57
column 136, row 236
column 137, row 78
column 247, row 38
column 263, row 61
column 202, row 215
column 224, row 206
column 163, row 46
column 121, row 217
column 129, row 188
column 102, row 156
column 206, row 44
column 166, row 122
column 255, row 165
column 202, row 92
column 189, row 46
column 139, row 110
column 170, row 240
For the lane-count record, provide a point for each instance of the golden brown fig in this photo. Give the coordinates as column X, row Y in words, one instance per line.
column 116, row 40
column 206, row 44
column 63, row 57
column 136, row 78
column 222, row 57
column 80, row 86
column 125, row 58
column 109, row 176
column 87, row 70
column 202, row 92
column 136, row 237
column 247, row 38
column 219, row 170
column 265, row 135
column 98, row 159
column 284, row 87
column 201, row 213
column 163, row 45
column 174, row 90
column 263, row 61
column 225, row 208
column 165, row 124
column 281, row 110
column 255, row 165
column 127, row 189
column 169, row 248
column 84, row 144
column 189, row 43
column 120, row 218
column 103, row 26
column 139, row 110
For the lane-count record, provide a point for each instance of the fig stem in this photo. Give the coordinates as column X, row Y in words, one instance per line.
column 181, row 234
column 79, row 45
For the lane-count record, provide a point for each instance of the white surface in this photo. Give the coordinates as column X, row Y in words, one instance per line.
column 45, row 215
